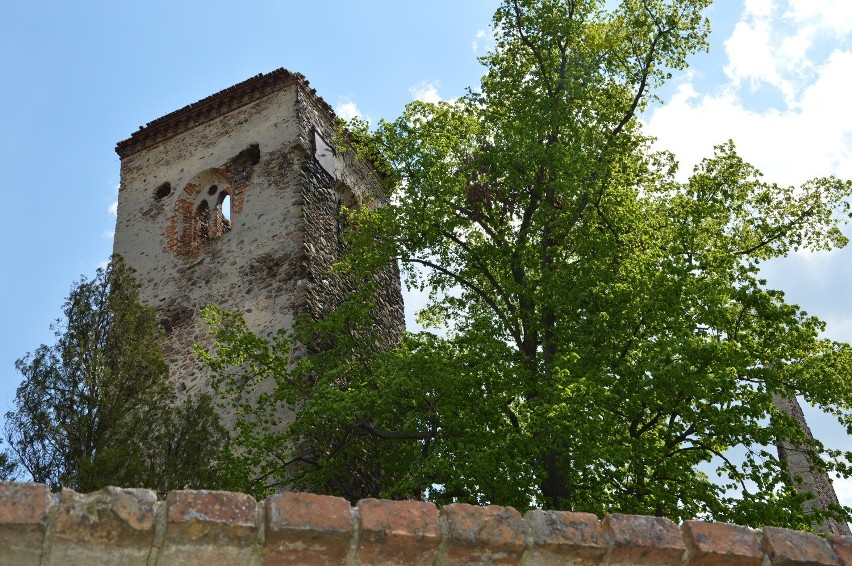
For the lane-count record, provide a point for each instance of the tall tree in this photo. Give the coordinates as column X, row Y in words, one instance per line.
column 609, row 338
column 8, row 468
column 96, row 407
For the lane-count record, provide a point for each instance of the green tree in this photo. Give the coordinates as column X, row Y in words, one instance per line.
column 609, row 338
column 8, row 468
column 96, row 407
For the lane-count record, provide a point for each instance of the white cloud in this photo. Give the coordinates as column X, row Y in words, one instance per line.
column 480, row 35
column 425, row 92
column 347, row 110
column 109, row 234
column 807, row 135
column 834, row 16
column 843, row 488
column 755, row 57
column 113, row 208
column 759, row 8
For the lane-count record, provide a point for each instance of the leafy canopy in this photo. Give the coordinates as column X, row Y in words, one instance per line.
column 96, row 408
column 608, row 338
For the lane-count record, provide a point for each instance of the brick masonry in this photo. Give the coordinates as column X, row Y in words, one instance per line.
column 209, row 528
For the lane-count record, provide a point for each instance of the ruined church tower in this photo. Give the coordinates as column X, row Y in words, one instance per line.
column 235, row 201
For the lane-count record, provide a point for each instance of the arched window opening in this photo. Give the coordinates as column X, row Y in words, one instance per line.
column 202, row 223
column 204, row 211
column 226, row 209
column 223, row 215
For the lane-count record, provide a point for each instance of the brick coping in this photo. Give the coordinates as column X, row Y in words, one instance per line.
column 216, row 105
column 131, row 526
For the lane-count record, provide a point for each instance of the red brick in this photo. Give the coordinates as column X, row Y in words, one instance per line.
column 303, row 528
column 24, row 508
column 397, row 532
column 637, row 539
column 482, row 535
column 559, row 536
column 209, row 527
column 842, row 546
column 111, row 526
column 787, row 547
column 721, row 544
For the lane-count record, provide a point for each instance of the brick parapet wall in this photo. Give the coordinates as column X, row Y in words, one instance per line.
column 130, row 526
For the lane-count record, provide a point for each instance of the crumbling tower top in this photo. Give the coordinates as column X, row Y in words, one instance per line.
column 215, row 105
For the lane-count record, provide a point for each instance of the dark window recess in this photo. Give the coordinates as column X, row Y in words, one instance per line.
column 324, row 154
column 175, row 318
column 241, row 164
column 246, row 158
column 163, row 191
column 212, row 190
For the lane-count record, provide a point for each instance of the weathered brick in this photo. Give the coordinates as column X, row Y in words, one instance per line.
column 24, row 508
column 637, row 539
column 308, row 529
column 109, row 526
column 787, row 547
column 209, row 527
column 721, row 544
column 482, row 535
column 842, row 546
column 397, row 532
column 192, row 189
column 560, row 537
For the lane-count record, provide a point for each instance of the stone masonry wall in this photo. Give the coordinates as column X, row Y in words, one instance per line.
column 211, row 528
column 254, row 268
column 266, row 146
column 330, row 186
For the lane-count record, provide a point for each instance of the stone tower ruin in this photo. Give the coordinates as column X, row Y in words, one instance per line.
column 235, row 201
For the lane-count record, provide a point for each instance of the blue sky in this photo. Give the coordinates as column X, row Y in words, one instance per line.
column 75, row 78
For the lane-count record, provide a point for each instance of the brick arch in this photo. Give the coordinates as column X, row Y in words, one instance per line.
column 198, row 211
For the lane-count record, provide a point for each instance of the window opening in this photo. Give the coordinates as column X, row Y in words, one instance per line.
column 324, row 154
column 224, row 212
column 163, row 191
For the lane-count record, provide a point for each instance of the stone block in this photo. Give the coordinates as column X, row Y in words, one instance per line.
column 721, row 544
column 24, row 509
column 108, row 526
column 307, row 529
column 842, row 546
column 638, row 539
column 397, row 532
column 560, row 537
column 209, row 527
column 482, row 535
column 787, row 547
